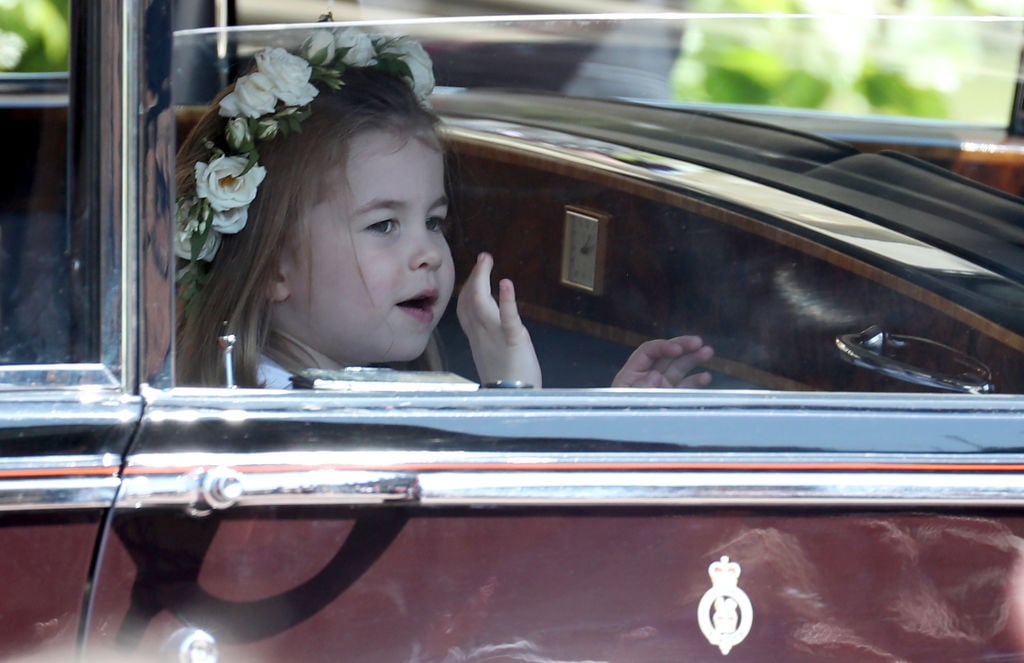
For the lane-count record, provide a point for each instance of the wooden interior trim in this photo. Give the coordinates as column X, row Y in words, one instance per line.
column 547, row 159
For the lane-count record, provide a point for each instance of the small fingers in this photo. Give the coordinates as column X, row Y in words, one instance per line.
column 479, row 281
column 666, row 363
column 511, row 324
column 650, row 353
column 507, row 308
column 696, row 380
column 475, row 300
column 679, row 355
column 687, row 343
column 677, row 370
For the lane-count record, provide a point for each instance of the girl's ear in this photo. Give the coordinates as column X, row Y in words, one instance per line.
column 278, row 289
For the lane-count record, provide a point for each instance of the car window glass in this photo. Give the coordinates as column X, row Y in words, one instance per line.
column 814, row 250
column 34, row 36
column 38, row 311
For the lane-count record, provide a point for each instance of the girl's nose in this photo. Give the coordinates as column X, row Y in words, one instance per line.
column 426, row 254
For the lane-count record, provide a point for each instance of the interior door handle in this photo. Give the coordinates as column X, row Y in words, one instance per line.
column 916, row 360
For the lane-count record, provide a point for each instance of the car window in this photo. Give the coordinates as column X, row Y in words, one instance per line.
column 37, row 259
column 824, row 248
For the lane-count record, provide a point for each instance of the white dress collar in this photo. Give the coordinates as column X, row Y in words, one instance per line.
column 270, row 374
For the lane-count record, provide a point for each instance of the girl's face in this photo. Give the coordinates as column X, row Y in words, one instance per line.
column 379, row 272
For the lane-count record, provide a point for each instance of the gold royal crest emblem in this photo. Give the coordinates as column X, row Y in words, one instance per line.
column 725, row 613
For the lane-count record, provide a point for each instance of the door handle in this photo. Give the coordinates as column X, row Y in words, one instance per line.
column 916, row 360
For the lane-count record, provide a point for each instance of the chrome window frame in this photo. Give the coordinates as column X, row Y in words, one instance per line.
column 121, row 124
column 81, row 416
column 110, row 59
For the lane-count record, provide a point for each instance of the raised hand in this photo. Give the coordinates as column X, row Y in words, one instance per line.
column 501, row 345
column 666, row 363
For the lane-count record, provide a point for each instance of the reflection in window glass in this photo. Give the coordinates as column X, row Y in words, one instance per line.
column 841, row 58
column 34, row 35
column 851, row 62
column 36, row 304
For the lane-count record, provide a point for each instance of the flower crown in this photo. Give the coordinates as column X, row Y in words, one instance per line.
column 274, row 100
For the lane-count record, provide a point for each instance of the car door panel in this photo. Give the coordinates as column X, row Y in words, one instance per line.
column 58, row 480
column 494, row 530
column 588, row 584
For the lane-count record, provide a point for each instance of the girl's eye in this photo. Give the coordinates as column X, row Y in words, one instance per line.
column 437, row 223
column 383, row 227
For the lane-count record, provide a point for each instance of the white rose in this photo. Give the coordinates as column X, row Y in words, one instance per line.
column 319, row 48
column 231, row 221
column 361, row 52
column 211, row 246
column 253, row 96
column 237, row 132
column 289, row 76
column 266, row 128
column 183, row 243
column 221, row 182
column 415, row 57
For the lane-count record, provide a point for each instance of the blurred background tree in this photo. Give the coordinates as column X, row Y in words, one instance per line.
column 34, row 35
column 832, row 55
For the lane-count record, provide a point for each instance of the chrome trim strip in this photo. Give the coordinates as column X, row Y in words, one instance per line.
column 57, row 494
column 189, row 403
column 961, row 425
column 94, row 462
column 39, row 408
column 194, row 490
column 517, row 479
column 583, row 488
column 718, row 489
column 515, row 462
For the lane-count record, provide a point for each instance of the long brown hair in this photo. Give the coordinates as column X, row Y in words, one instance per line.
column 234, row 298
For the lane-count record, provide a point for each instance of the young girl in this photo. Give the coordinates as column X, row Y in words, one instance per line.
column 311, row 219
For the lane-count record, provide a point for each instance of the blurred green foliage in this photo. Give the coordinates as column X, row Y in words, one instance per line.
column 890, row 93
column 34, row 35
column 831, row 55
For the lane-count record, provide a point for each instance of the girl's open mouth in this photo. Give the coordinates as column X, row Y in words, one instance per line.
column 421, row 307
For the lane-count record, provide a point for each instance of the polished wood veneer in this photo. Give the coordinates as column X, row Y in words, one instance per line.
column 771, row 301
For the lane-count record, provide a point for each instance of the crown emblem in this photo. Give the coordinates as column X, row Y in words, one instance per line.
column 725, row 613
column 724, row 573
